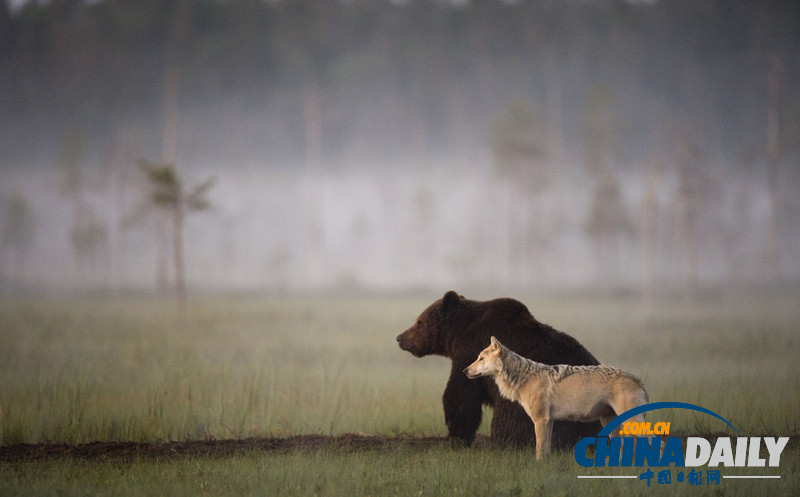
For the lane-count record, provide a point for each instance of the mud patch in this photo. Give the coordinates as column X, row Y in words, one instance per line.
column 217, row 448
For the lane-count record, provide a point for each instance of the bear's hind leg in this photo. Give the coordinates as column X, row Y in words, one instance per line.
column 511, row 426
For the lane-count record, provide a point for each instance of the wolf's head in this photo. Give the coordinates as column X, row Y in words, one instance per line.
column 488, row 363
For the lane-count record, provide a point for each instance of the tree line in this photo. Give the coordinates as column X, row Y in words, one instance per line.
column 432, row 73
column 655, row 89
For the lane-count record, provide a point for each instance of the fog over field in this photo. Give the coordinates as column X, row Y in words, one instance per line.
column 389, row 146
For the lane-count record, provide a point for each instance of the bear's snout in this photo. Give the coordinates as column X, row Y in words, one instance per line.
column 414, row 340
column 402, row 341
column 407, row 343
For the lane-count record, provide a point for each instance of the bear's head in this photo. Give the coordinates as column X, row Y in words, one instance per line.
column 427, row 335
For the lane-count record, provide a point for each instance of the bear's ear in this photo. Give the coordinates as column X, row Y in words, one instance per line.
column 450, row 300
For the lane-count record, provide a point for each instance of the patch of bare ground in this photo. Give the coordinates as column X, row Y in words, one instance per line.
column 217, row 448
column 232, row 447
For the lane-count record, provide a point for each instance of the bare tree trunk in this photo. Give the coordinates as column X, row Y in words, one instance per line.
column 161, row 255
column 119, row 162
column 555, row 145
column 501, row 232
column 168, row 152
column 506, row 230
column 177, row 253
column 312, row 115
column 170, row 133
column 649, row 229
column 179, row 35
column 19, row 265
column 688, row 211
column 175, row 51
column 555, row 104
column 690, row 276
column 773, row 159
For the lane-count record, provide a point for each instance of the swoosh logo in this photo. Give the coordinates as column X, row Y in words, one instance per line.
column 607, row 429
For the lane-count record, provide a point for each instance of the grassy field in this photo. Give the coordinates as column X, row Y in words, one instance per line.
column 132, row 369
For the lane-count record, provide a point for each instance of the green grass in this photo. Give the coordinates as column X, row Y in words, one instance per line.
column 77, row 372
column 132, row 369
column 402, row 472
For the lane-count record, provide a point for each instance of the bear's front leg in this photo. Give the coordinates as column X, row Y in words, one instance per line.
column 462, row 401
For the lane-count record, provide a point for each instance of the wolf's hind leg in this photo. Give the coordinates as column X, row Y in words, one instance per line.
column 607, row 414
column 604, row 420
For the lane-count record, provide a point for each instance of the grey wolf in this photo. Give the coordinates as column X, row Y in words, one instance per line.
column 562, row 392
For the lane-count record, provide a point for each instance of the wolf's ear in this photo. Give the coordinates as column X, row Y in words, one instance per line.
column 450, row 300
column 495, row 344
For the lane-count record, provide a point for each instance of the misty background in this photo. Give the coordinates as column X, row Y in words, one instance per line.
column 379, row 145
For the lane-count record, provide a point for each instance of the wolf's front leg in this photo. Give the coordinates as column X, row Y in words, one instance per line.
column 544, row 435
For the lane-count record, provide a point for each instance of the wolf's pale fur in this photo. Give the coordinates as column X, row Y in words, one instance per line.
column 561, row 392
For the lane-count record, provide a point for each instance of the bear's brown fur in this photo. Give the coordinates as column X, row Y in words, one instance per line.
column 459, row 328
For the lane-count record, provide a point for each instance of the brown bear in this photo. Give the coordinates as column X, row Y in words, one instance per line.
column 459, row 328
